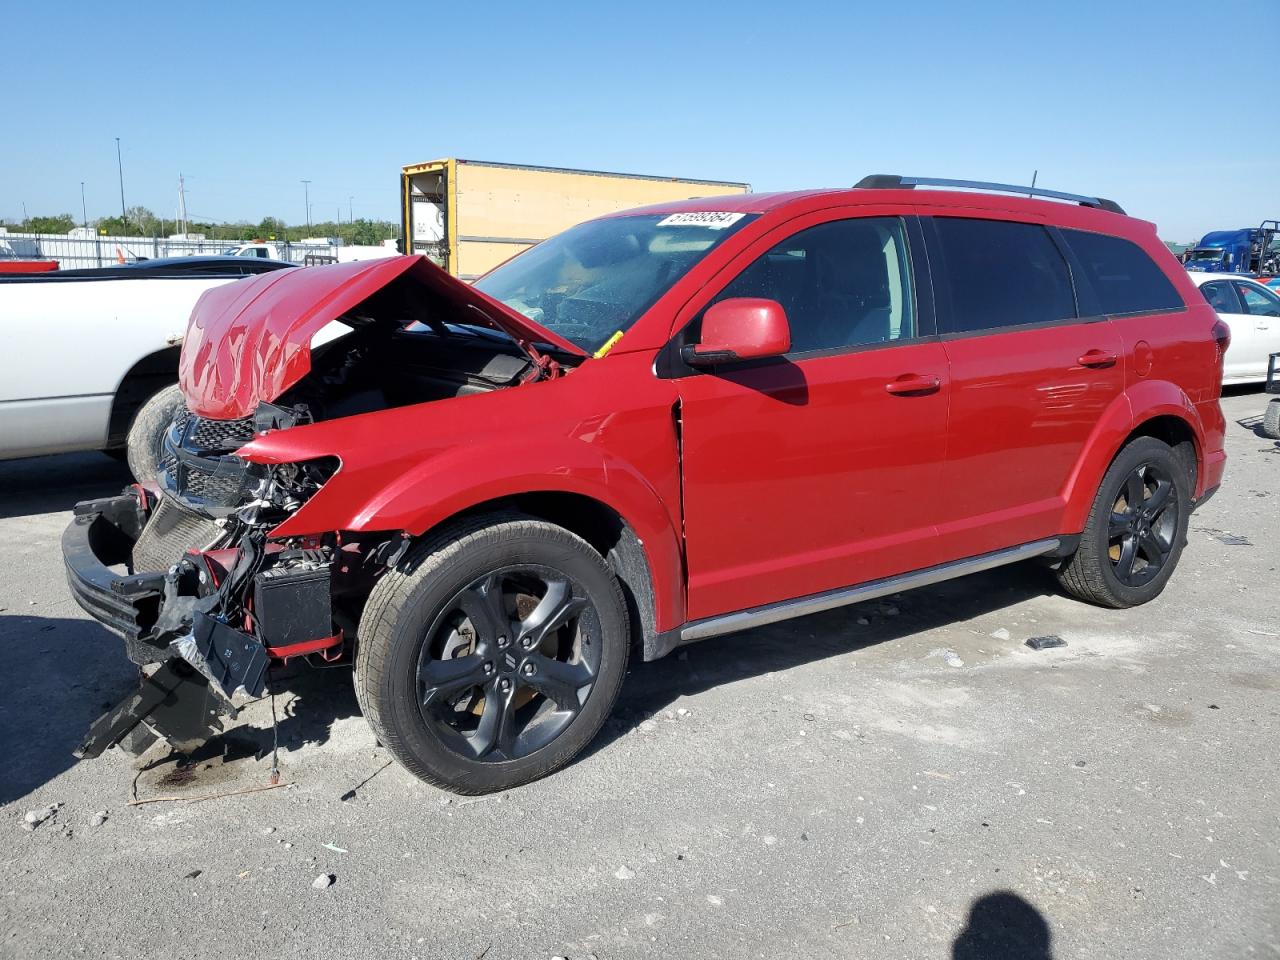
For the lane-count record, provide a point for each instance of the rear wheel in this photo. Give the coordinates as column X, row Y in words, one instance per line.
column 1136, row 528
column 493, row 654
column 146, row 433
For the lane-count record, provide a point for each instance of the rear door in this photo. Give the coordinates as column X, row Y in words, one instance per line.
column 1030, row 378
column 819, row 469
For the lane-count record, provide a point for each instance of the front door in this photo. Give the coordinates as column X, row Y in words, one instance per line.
column 1263, row 316
column 820, row 469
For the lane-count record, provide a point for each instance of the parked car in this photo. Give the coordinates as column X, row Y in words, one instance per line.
column 659, row 426
column 1252, row 311
column 93, row 354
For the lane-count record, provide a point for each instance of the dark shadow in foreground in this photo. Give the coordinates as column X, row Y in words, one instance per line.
column 1003, row 926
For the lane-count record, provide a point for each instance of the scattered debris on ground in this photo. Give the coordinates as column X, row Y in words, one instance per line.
column 34, row 818
column 1047, row 642
column 324, row 881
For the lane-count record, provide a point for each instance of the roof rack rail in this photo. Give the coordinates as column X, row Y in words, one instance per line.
column 889, row 181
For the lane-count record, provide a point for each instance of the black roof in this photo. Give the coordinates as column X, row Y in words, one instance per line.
column 209, row 266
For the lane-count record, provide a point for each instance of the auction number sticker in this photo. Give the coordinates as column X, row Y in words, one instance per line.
column 710, row 219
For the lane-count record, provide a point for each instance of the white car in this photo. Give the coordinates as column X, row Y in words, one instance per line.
column 90, row 355
column 1252, row 311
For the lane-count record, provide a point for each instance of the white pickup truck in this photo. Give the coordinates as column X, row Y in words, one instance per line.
column 91, row 356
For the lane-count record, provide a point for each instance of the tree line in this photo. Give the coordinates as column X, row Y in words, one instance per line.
column 141, row 222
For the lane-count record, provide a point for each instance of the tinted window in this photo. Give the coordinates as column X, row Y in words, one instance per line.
column 1124, row 279
column 842, row 284
column 1259, row 302
column 1221, row 296
column 1002, row 274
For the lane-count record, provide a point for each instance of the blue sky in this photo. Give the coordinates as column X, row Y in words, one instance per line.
column 1152, row 104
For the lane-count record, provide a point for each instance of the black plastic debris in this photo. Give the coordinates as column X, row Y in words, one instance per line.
column 1047, row 642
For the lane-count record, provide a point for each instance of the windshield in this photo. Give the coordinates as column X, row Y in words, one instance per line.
column 592, row 282
column 1207, row 253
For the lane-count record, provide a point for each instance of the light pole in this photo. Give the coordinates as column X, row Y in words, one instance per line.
column 120, row 170
column 306, row 193
column 84, row 213
column 350, row 218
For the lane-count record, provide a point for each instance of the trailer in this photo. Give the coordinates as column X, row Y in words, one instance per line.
column 468, row 216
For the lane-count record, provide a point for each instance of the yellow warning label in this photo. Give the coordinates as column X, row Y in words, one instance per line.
column 608, row 345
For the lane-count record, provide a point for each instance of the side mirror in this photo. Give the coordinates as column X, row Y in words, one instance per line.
column 743, row 328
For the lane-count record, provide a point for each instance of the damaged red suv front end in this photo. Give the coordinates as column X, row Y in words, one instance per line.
column 212, row 572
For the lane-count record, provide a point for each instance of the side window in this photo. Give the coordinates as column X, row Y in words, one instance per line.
column 1259, row 302
column 1124, row 278
column 1221, row 296
column 1002, row 274
column 842, row 284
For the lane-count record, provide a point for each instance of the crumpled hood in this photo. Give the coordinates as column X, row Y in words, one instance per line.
column 250, row 341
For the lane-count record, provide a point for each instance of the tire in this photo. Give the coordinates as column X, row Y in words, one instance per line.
column 1115, row 564
column 431, row 676
column 142, row 448
column 1271, row 419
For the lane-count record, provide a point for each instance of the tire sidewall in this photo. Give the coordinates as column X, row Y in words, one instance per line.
column 146, row 433
column 397, row 687
column 1143, row 450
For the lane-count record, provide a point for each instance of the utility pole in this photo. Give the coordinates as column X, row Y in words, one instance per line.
column 306, row 193
column 350, row 218
column 120, row 170
column 84, row 213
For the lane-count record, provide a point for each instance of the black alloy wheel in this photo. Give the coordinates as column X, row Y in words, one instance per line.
column 1144, row 525
column 493, row 652
column 1137, row 526
column 508, row 663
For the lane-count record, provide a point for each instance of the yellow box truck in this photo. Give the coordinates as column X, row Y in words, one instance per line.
column 471, row 215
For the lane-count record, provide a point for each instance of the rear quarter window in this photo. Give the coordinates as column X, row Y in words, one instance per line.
column 1122, row 276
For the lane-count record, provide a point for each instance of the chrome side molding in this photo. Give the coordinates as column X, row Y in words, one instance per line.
column 815, row 603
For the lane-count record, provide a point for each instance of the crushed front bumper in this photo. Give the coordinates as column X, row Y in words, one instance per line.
column 102, row 536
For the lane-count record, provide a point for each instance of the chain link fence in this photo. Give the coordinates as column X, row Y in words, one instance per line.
column 80, row 252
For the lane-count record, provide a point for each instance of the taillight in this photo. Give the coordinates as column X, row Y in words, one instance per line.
column 1222, row 336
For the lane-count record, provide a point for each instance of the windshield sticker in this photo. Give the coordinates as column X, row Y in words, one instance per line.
column 710, row 219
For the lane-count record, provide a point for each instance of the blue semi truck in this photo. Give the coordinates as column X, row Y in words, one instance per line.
column 1252, row 250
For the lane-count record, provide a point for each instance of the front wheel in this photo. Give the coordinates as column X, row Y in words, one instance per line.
column 1136, row 528
column 492, row 655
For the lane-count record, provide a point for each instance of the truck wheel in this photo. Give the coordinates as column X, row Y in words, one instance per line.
column 1136, row 528
column 1271, row 419
column 492, row 654
column 146, row 433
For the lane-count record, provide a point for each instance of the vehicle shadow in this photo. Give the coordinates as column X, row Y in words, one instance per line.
column 1003, row 926
column 52, row 484
column 62, row 675
column 651, row 687
column 65, row 673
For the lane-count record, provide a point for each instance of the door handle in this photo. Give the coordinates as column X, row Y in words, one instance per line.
column 1097, row 358
column 912, row 384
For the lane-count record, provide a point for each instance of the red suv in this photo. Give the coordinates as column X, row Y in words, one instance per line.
column 659, row 426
